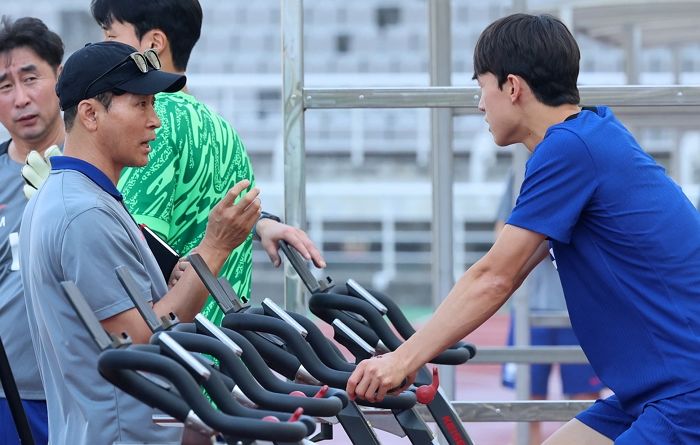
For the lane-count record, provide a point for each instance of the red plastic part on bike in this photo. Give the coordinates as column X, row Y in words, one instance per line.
column 321, row 392
column 426, row 393
column 297, row 414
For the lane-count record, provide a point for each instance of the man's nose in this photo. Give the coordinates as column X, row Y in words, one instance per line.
column 154, row 121
column 21, row 96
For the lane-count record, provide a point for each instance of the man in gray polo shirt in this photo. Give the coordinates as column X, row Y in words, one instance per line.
column 76, row 228
column 30, row 56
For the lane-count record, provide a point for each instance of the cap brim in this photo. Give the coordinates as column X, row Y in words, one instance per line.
column 154, row 81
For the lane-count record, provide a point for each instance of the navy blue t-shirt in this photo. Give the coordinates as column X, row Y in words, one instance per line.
column 627, row 246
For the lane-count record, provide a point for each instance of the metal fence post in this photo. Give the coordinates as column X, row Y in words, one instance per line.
column 441, row 167
column 293, row 137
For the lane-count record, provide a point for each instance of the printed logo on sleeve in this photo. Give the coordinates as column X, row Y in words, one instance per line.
column 553, row 257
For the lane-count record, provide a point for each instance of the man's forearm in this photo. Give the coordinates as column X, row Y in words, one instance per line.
column 476, row 296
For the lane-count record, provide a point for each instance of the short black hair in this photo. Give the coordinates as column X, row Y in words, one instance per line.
column 69, row 114
column 540, row 49
column 180, row 20
column 31, row 33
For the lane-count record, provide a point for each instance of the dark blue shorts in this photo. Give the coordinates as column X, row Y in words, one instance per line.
column 36, row 415
column 671, row 421
column 576, row 378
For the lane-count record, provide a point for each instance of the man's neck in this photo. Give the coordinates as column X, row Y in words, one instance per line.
column 19, row 148
column 541, row 117
column 86, row 150
column 168, row 66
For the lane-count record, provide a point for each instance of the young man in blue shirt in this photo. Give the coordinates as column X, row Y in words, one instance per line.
column 625, row 238
column 545, row 295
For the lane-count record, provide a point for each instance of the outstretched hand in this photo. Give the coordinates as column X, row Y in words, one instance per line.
column 271, row 232
column 230, row 221
column 376, row 377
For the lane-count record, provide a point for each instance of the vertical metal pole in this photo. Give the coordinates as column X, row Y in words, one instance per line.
column 633, row 52
column 520, row 300
column 293, row 136
column 441, row 168
column 677, row 155
column 677, row 63
column 521, row 313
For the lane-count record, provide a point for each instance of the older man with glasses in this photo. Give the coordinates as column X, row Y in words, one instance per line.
column 76, row 228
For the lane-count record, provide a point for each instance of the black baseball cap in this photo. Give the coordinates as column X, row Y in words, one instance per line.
column 91, row 62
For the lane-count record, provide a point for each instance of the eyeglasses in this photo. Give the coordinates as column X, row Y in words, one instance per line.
column 142, row 61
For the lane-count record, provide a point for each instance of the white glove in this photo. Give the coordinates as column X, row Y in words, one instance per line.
column 37, row 168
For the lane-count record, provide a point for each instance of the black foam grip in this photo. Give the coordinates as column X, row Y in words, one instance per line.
column 377, row 323
column 361, row 329
column 125, row 359
column 256, row 364
column 318, row 342
column 398, row 319
column 296, row 343
column 232, row 365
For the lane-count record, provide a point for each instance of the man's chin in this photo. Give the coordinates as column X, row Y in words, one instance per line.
column 139, row 162
column 30, row 134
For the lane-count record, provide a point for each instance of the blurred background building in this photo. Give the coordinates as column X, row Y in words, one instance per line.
column 368, row 172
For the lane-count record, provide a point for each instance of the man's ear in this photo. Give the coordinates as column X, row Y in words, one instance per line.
column 155, row 39
column 515, row 86
column 87, row 114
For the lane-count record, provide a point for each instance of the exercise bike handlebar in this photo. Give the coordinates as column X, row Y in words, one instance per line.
column 301, row 349
column 219, row 386
column 377, row 323
column 234, row 367
column 145, row 390
column 314, row 336
column 257, row 366
column 302, row 269
column 219, row 288
column 210, row 329
column 360, row 328
column 394, row 313
column 381, row 303
column 279, row 359
column 332, row 377
column 111, row 362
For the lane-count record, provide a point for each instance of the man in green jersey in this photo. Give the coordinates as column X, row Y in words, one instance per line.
column 196, row 156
